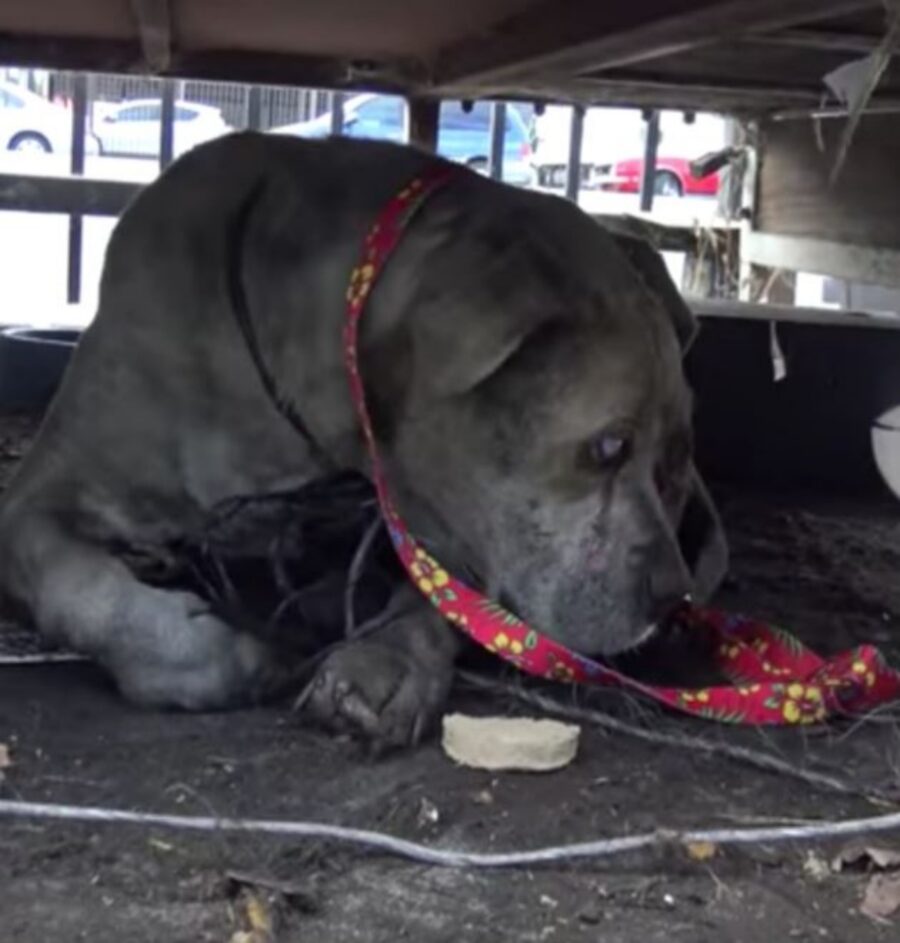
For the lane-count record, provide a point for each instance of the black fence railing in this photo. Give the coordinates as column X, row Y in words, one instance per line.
column 159, row 119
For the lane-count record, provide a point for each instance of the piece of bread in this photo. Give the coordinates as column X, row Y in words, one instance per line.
column 509, row 743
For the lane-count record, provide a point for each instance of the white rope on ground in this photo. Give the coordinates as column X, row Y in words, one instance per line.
column 425, row 854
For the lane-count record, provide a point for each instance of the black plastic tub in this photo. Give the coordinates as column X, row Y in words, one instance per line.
column 32, row 362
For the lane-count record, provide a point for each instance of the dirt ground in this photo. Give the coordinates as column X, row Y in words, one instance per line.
column 827, row 571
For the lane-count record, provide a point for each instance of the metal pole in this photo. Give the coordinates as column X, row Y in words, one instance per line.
column 167, row 124
column 337, row 113
column 79, row 121
column 498, row 138
column 729, row 196
column 254, row 108
column 648, row 173
column 573, row 167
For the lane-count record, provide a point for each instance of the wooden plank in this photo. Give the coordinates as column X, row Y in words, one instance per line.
column 648, row 93
column 405, row 76
column 226, row 65
column 665, row 236
column 744, row 62
column 795, row 196
column 821, row 40
column 725, row 308
column 65, row 195
column 65, row 52
column 583, row 36
column 886, row 106
column 823, row 257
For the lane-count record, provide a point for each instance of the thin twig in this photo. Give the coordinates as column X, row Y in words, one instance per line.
column 353, row 577
column 415, row 851
column 283, row 607
column 280, row 574
column 883, row 714
column 747, row 755
column 228, row 591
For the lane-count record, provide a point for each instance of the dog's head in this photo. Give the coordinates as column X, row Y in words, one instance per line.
column 535, row 417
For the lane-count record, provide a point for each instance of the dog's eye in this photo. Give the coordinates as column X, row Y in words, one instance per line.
column 610, row 449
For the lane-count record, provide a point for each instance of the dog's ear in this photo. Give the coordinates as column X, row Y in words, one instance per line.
column 702, row 540
column 488, row 297
column 649, row 264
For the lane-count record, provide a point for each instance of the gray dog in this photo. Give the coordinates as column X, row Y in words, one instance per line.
column 523, row 369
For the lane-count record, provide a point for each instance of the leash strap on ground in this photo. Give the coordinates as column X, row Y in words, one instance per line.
column 773, row 678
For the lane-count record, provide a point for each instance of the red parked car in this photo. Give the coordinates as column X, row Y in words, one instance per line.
column 673, row 178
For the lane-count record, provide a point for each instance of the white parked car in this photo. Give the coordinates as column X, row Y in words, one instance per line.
column 29, row 123
column 132, row 128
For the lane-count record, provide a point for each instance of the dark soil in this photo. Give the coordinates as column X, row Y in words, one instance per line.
column 826, row 571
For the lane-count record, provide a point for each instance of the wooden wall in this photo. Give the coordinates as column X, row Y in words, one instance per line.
column 794, row 197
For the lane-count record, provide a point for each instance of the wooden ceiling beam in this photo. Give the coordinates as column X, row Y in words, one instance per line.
column 126, row 56
column 645, row 93
column 821, row 40
column 585, row 36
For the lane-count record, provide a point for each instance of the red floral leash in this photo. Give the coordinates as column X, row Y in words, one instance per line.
column 774, row 679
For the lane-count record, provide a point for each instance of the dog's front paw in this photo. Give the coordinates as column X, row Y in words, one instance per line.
column 380, row 691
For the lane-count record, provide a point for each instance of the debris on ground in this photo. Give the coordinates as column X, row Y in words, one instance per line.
column 702, row 850
column 816, row 866
column 510, row 743
column 301, row 896
column 428, row 814
column 882, row 896
column 869, row 857
column 254, row 914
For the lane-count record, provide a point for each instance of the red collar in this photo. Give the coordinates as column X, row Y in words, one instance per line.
column 774, row 679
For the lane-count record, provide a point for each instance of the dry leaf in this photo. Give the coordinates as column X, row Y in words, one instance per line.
column 301, row 895
column 255, row 916
column 884, row 858
column 871, row 856
column 258, row 914
column 701, row 850
column 882, row 896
